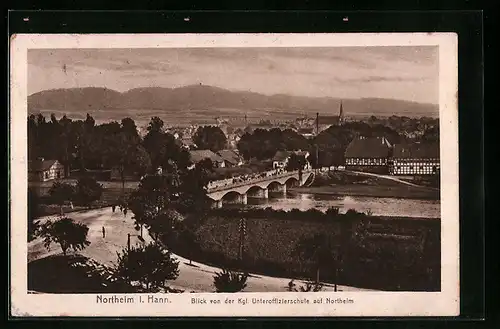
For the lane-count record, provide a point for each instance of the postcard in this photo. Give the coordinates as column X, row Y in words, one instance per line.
column 190, row 175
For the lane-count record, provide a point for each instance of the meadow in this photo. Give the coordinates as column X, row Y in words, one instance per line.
column 396, row 254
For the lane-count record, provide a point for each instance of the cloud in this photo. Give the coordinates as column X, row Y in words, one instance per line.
column 409, row 73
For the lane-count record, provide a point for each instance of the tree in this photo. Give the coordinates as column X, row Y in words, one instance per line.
column 319, row 249
column 149, row 266
column 33, row 213
column 193, row 189
column 431, row 135
column 210, row 138
column 229, row 281
column 66, row 232
column 152, row 197
column 164, row 225
column 88, row 190
column 296, row 162
column 127, row 156
column 188, row 242
column 61, row 192
column 162, row 147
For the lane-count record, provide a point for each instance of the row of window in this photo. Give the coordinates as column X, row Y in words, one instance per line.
column 366, row 161
column 414, row 170
column 415, row 164
column 414, row 160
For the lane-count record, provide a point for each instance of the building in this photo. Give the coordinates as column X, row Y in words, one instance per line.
column 42, row 170
column 280, row 159
column 307, row 132
column 186, row 143
column 368, row 154
column 415, row 159
column 198, row 155
column 333, row 119
column 231, row 158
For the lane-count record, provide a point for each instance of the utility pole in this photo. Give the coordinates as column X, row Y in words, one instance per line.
column 243, row 231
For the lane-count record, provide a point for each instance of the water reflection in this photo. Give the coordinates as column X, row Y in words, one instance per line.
column 377, row 206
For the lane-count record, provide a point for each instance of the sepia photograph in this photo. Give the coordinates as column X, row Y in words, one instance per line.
column 285, row 173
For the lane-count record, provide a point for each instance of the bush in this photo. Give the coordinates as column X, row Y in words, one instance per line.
column 270, row 239
column 229, row 281
column 88, row 190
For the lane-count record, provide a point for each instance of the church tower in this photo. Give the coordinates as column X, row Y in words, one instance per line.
column 341, row 114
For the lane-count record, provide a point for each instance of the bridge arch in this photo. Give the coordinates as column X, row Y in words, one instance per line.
column 254, row 189
column 230, row 195
column 291, row 181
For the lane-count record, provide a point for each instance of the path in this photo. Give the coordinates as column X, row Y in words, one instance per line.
column 196, row 277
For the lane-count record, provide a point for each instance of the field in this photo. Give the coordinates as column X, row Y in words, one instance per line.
column 345, row 183
column 398, row 254
column 400, row 191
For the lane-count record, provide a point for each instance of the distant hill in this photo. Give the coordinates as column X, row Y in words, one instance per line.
column 197, row 102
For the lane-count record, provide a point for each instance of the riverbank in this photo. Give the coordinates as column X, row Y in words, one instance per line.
column 380, row 191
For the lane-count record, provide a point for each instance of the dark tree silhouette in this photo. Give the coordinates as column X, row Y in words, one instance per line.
column 211, row 138
column 296, row 162
column 66, row 232
column 229, row 281
column 88, row 190
column 149, row 265
column 61, row 192
column 320, row 249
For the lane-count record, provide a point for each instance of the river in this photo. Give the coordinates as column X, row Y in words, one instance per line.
column 396, row 207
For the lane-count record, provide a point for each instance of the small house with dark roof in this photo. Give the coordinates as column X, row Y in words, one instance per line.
column 199, row 155
column 231, row 158
column 307, row 132
column 368, row 154
column 186, row 143
column 415, row 159
column 280, row 159
column 42, row 170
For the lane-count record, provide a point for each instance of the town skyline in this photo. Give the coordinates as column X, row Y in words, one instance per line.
column 399, row 73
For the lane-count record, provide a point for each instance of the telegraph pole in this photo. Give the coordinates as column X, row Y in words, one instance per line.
column 242, row 229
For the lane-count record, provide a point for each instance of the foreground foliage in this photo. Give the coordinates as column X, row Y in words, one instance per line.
column 147, row 267
column 230, row 281
column 66, row 232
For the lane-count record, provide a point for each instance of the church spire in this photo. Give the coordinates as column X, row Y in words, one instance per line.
column 341, row 114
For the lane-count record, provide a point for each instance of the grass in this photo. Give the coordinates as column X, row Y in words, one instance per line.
column 109, row 197
column 345, row 183
column 397, row 191
column 398, row 254
column 72, row 275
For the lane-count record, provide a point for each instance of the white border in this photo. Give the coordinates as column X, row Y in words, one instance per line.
column 444, row 303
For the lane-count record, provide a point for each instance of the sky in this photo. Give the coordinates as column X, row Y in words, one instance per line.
column 405, row 73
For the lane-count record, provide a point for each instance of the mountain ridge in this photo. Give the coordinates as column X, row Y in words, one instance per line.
column 212, row 100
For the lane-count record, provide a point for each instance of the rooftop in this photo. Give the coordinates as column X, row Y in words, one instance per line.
column 368, row 147
column 416, row 151
column 40, row 165
column 198, row 155
column 229, row 156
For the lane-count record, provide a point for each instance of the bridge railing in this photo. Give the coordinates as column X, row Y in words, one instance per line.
column 242, row 181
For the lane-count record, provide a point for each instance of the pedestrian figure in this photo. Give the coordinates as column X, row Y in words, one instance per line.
column 113, row 207
column 103, row 232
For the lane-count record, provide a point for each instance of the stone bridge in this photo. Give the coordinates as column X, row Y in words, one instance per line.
column 259, row 186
